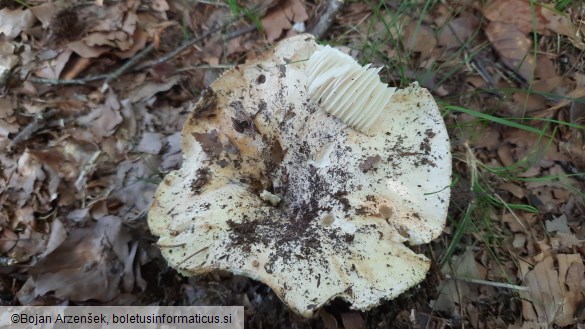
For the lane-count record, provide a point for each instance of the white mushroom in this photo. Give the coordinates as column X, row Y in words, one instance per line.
column 275, row 187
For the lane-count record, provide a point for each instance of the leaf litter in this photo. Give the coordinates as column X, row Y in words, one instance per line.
column 81, row 163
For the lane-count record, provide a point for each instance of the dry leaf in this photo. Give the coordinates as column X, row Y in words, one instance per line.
column 88, row 265
column 282, row 17
column 56, row 237
column 553, row 298
column 103, row 120
column 45, row 13
column 151, row 88
column 115, row 30
column 8, row 240
column 458, row 31
column 52, row 68
column 513, row 46
column 83, row 50
column 558, row 23
column 515, row 189
column 150, row 143
column 8, row 124
column 7, row 58
column 172, row 157
column 515, row 12
column 558, row 224
column 140, row 38
column 575, row 94
column 12, row 22
column 419, row 38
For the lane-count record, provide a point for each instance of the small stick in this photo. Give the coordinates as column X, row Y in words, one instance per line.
column 129, row 64
column 326, row 19
column 191, row 256
column 193, row 41
column 38, row 123
column 242, row 31
column 122, row 69
column 489, row 283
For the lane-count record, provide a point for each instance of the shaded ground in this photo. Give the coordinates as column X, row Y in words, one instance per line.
column 94, row 95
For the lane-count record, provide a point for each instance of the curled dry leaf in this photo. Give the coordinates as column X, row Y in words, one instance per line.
column 85, row 51
column 116, row 29
column 282, row 17
column 513, row 46
column 151, row 88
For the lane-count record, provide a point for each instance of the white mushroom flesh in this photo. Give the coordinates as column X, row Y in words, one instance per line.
column 348, row 201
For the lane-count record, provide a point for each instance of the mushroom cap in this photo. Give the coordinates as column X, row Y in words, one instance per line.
column 275, row 188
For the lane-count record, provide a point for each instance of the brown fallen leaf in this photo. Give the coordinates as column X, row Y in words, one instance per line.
column 151, row 88
column 516, row 12
column 558, row 22
column 85, row 51
column 140, row 38
column 513, row 46
column 282, row 17
column 45, row 13
column 419, row 38
column 458, row 31
column 553, row 299
column 90, row 264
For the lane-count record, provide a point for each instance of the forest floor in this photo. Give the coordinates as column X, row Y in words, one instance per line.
column 93, row 96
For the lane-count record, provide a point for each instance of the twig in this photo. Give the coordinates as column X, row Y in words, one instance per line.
column 117, row 73
column 206, row 67
column 192, row 255
column 129, row 64
column 489, row 283
column 38, row 123
column 326, row 19
column 191, row 42
column 242, row 31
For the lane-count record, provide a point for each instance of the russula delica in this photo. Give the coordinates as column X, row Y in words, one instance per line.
column 303, row 171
